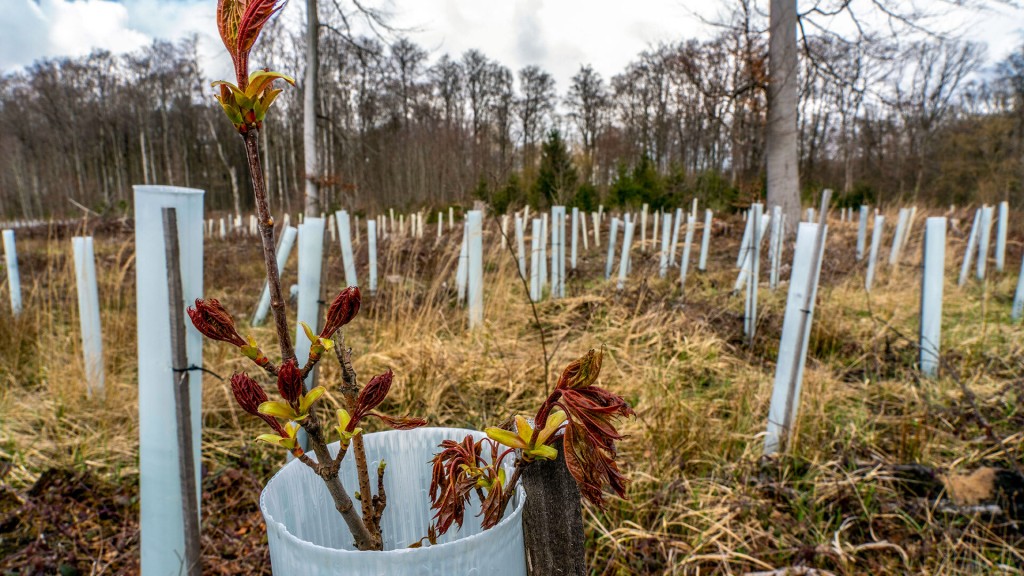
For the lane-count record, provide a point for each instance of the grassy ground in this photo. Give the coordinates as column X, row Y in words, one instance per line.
column 702, row 499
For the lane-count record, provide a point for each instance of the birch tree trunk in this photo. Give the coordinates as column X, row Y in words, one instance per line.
column 309, row 147
column 783, row 159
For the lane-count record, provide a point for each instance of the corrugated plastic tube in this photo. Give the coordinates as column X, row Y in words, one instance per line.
column 307, row 537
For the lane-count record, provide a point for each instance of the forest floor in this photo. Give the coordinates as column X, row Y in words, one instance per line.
column 702, row 498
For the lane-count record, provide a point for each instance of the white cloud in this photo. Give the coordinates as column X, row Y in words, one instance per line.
column 558, row 35
column 34, row 30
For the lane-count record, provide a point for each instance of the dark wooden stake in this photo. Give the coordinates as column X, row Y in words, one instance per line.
column 553, row 520
column 183, row 409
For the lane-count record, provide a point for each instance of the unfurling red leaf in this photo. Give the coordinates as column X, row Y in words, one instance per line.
column 450, row 484
column 582, row 372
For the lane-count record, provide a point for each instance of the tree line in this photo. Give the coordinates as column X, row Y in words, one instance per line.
column 927, row 120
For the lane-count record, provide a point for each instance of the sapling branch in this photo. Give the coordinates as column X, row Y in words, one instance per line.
column 246, row 104
column 266, row 227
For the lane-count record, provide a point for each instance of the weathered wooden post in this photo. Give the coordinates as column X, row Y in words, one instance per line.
column 643, row 227
column 931, row 294
column 89, row 313
column 613, row 233
column 161, row 522
column 553, row 520
column 13, row 278
column 753, row 266
column 284, row 249
column 474, row 226
column 188, row 497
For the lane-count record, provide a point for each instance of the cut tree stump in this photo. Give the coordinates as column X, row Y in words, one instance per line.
column 553, row 520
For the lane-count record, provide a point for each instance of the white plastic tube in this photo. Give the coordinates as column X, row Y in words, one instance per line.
column 684, row 266
column 89, row 313
column 371, row 249
column 557, row 224
column 876, row 245
column 162, row 542
column 583, row 231
column 575, row 236
column 613, row 233
column 13, row 279
column 462, row 272
column 663, row 260
column 627, row 243
column 347, row 255
column 984, row 240
column 931, row 294
column 1002, row 224
column 677, row 222
column 1018, row 296
column 744, row 243
column 862, row 232
column 545, row 232
column 789, row 370
column 520, row 246
column 311, row 254
column 597, row 229
column 284, row 250
column 972, row 245
column 535, row 260
column 474, row 226
column 705, row 241
column 307, row 537
column 897, row 238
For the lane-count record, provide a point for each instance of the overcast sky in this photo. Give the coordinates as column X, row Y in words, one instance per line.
column 558, row 35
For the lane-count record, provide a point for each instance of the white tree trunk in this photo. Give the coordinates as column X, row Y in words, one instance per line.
column 783, row 159
column 312, row 166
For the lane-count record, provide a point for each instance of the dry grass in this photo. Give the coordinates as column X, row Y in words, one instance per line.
column 702, row 500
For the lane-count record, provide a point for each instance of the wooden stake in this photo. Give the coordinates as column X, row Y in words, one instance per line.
column 179, row 363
